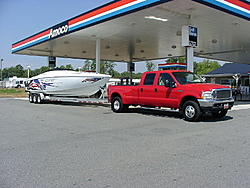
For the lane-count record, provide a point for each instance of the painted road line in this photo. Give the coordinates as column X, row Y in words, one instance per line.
column 241, row 107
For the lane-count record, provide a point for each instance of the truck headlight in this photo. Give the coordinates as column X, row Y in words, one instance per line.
column 207, row 95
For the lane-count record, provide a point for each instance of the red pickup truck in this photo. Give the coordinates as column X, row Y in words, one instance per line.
column 181, row 90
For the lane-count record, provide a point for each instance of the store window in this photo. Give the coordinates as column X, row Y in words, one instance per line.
column 226, row 82
column 246, row 82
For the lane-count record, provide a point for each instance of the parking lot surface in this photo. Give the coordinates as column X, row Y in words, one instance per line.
column 70, row 145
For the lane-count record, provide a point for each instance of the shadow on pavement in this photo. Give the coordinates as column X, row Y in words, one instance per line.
column 176, row 114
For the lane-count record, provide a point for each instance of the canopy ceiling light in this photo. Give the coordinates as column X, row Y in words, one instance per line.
column 156, row 18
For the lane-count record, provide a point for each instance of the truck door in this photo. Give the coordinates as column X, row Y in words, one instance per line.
column 146, row 90
column 165, row 92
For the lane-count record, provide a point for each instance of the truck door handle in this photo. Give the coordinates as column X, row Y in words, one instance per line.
column 141, row 89
column 156, row 90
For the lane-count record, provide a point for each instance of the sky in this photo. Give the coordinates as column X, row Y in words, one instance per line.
column 20, row 19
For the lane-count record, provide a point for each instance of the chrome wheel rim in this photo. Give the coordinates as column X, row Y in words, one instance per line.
column 190, row 111
column 116, row 105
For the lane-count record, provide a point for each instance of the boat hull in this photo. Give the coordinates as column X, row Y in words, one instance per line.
column 80, row 85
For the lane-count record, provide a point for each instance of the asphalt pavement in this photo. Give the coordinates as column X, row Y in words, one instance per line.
column 71, row 145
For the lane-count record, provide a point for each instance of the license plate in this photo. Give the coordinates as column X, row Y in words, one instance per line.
column 226, row 106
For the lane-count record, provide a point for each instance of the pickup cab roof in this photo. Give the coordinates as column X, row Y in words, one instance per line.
column 167, row 71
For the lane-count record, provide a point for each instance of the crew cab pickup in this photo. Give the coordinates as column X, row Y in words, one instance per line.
column 175, row 89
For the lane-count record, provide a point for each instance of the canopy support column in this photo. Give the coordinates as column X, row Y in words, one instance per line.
column 190, row 40
column 130, row 69
column 131, row 65
column 190, row 58
column 98, row 54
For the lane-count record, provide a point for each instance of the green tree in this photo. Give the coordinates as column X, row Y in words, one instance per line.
column 68, row 67
column 44, row 69
column 34, row 72
column 205, row 66
column 87, row 65
column 19, row 71
column 137, row 75
column 14, row 71
column 5, row 73
column 150, row 65
column 176, row 60
column 109, row 67
column 62, row 67
column 106, row 67
column 116, row 74
column 125, row 74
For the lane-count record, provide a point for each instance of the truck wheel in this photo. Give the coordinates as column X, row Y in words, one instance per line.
column 219, row 114
column 191, row 111
column 31, row 98
column 117, row 105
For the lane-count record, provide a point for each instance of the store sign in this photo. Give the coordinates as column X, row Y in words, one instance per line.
column 189, row 36
column 59, row 30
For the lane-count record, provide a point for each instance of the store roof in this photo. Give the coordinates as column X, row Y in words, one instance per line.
column 231, row 69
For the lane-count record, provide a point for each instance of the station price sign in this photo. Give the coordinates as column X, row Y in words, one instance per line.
column 189, row 36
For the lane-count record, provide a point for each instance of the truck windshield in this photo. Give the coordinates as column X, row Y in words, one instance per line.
column 187, row 78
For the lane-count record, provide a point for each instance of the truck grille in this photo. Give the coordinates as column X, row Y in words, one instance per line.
column 222, row 93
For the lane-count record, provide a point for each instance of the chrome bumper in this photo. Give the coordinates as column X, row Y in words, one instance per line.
column 216, row 105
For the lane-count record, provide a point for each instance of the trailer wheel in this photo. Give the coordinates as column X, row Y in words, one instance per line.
column 191, row 111
column 34, row 98
column 39, row 99
column 31, row 98
column 117, row 106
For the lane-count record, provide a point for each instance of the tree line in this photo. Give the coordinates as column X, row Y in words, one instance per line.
column 107, row 67
column 200, row 68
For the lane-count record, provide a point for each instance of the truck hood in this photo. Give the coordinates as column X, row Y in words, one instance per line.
column 206, row 86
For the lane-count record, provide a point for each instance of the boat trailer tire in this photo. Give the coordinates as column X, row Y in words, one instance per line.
column 38, row 99
column 35, row 98
column 191, row 111
column 31, row 98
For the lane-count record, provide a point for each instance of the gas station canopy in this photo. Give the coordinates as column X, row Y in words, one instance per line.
column 139, row 30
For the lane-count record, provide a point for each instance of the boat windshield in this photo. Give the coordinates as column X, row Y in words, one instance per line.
column 187, row 78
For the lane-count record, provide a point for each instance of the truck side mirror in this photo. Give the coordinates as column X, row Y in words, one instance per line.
column 170, row 84
column 173, row 85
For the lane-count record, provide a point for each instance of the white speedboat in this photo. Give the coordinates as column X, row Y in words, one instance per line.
column 67, row 83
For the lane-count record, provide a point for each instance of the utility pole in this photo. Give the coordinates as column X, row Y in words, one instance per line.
column 28, row 71
column 1, row 69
